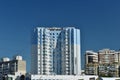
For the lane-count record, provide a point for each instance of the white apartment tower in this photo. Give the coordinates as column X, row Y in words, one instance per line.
column 56, row 51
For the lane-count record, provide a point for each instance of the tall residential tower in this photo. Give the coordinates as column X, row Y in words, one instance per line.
column 56, row 51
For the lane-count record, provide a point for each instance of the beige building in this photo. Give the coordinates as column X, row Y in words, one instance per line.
column 106, row 56
column 105, row 63
column 109, row 63
column 16, row 66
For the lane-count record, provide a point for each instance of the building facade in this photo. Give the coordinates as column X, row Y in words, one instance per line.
column 91, row 57
column 17, row 66
column 105, row 63
column 109, row 63
column 55, row 51
column 91, row 64
column 106, row 56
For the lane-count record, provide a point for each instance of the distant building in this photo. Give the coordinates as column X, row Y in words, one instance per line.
column 91, row 57
column 13, row 67
column 106, row 56
column 91, row 64
column 104, row 63
column 56, row 50
column 109, row 63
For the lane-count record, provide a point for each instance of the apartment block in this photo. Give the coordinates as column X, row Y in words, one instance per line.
column 108, row 63
column 106, row 56
column 105, row 63
column 55, row 51
column 91, row 65
column 16, row 66
column 91, row 57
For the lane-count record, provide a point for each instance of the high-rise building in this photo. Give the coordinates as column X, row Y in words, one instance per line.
column 56, row 51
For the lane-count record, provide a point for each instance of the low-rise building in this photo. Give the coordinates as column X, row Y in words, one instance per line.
column 63, row 77
column 15, row 67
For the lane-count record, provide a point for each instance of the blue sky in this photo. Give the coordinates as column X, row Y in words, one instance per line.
column 99, row 21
